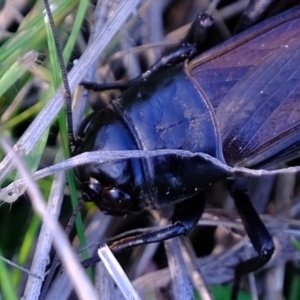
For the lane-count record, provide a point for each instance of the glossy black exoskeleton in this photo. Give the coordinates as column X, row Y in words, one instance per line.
column 146, row 119
column 238, row 102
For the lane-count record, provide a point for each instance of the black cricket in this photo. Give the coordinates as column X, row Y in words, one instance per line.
column 238, row 102
column 203, row 105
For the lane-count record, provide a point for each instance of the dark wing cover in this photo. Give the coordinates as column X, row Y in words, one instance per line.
column 253, row 83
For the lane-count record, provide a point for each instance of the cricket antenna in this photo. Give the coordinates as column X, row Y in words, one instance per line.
column 72, row 142
column 63, row 69
column 56, row 260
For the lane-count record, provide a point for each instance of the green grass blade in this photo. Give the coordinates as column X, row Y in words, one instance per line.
column 6, row 284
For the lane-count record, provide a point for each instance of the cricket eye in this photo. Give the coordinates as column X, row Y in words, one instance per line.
column 116, row 199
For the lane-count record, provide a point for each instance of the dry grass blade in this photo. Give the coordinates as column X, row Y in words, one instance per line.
column 80, row 281
column 44, row 242
column 92, row 53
